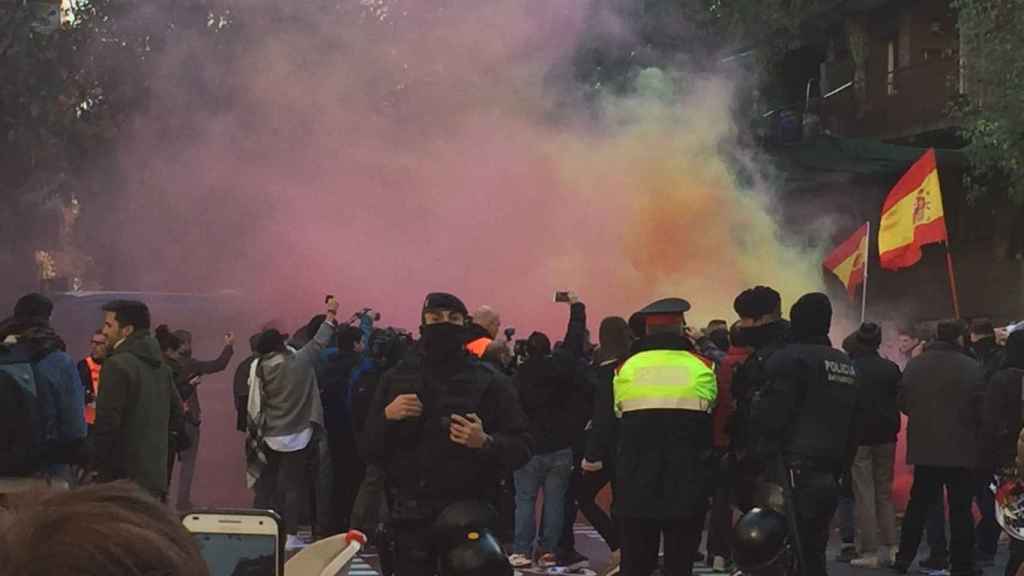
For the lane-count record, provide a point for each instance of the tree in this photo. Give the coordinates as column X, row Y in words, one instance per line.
column 68, row 89
column 993, row 112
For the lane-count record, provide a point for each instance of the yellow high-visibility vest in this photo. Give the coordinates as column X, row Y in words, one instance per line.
column 665, row 380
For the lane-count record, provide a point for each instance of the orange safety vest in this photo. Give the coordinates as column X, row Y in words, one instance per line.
column 94, row 374
column 479, row 346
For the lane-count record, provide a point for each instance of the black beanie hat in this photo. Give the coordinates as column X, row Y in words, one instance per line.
column 443, row 301
column 757, row 302
column 33, row 306
column 811, row 316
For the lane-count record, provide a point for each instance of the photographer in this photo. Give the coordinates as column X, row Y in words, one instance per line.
column 443, row 428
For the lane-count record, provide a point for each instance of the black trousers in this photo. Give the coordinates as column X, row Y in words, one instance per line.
column 641, row 539
column 282, row 486
column 817, row 497
column 960, row 484
column 582, row 497
column 987, row 531
column 415, row 554
column 721, row 525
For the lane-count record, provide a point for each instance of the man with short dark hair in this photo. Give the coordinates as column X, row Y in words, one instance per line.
column 942, row 395
column 137, row 403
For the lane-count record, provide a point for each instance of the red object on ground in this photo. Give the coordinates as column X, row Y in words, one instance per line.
column 903, row 475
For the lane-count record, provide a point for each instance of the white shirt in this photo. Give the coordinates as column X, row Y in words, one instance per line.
column 291, row 442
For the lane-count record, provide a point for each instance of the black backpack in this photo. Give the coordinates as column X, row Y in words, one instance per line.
column 22, row 411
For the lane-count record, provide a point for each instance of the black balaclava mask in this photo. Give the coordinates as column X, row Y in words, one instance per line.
column 445, row 342
column 811, row 319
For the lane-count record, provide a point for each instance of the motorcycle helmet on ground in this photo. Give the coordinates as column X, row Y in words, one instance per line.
column 761, row 543
column 1010, row 508
column 465, row 537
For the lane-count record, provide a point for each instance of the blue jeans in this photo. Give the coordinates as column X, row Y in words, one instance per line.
column 552, row 472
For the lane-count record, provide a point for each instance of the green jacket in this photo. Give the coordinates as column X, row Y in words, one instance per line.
column 134, row 411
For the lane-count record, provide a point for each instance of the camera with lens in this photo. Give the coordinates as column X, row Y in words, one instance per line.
column 386, row 346
column 519, row 351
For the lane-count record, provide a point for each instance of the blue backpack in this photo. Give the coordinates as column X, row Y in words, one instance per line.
column 22, row 411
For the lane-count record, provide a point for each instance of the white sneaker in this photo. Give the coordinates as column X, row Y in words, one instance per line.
column 718, row 565
column 867, row 561
column 520, row 561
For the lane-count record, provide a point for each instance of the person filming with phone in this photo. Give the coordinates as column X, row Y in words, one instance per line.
column 444, row 428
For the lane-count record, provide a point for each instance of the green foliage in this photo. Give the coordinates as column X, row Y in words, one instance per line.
column 993, row 112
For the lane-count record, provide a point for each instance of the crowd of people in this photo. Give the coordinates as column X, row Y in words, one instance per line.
column 349, row 425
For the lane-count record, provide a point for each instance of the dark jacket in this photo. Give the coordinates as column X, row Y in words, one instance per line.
column 136, row 407
column 553, row 392
column 663, row 457
column 1001, row 420
column 750, row 377
column 546, row 392
column 604, row 429
column 810, row 407
column 943, row 390
column 879, row 382
column 62, row 416
column 422, row 464
column 240, row 389
column 990, row 355
column 193, row 368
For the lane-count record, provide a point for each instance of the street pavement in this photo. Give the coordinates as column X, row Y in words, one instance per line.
column 590, row 544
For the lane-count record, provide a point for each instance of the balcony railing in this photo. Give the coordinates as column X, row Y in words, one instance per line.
column 903, row 102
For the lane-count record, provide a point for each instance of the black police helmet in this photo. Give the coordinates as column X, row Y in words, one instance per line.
column 464, row 532
column 479, row 554
column 760, row 540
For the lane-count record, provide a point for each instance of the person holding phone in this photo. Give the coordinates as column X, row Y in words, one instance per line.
column 444, row 428
column 291, row 414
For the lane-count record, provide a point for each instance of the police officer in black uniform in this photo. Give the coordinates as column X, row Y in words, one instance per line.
column 808, row 414
column 764, row 330
column 444, row 428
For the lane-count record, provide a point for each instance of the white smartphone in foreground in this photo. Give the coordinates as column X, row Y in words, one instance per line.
column 238, row 541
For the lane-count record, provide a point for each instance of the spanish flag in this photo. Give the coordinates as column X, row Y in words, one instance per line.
column 912, row 215
column 847, row 261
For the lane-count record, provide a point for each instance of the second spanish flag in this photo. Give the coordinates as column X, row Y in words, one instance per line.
column 912, row 215
column 847, row 261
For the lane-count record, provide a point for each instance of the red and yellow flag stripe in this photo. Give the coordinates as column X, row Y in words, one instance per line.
column 912, row 215
column 847, row 261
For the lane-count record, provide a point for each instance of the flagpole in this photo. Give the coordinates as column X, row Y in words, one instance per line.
column 952, row 280
column 864, row 289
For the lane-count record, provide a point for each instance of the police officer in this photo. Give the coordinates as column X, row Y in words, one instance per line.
column 762, row 329
column 443, row 428
column 808, row 413
column 663, row 394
